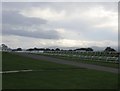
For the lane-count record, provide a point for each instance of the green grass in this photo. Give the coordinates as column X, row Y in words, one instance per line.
column 15, row 62
column 66, row 79
column 77, row 59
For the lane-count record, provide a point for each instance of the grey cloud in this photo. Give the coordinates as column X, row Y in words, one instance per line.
column 10, row 17
column 50, row 34
column 59, row 5
column 76, row 25
column 18, row 6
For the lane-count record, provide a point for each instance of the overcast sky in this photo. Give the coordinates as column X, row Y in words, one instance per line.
column 64, row 24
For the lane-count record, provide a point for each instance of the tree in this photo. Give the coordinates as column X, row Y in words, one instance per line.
column 84, row 49
column 109, row 49
column 42, row 49
column 70, row 50
column 89, row 49
column 35, row 49
column 30, row 49
column 4, row 47
column 47, row 49
column 19, row 49
column 52, row 49
column 57, row 49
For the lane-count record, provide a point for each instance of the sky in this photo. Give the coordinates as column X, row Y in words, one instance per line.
column 61, row 24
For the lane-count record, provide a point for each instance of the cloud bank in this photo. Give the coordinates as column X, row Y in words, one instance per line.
column 60, row 24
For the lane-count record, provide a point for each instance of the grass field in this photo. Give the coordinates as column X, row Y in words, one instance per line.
column 71, row 58
column 69, row 78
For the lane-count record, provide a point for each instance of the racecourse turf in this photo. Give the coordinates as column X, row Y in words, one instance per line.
column 51, row 78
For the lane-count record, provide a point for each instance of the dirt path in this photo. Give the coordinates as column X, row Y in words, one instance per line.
column 61, row 61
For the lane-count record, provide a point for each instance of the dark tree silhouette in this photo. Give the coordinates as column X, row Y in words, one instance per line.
column 47, row 49
column 52, row 49
column 89, row 49
column 19, row 49
column 4, row 47
column 57, row 49
column 85, row 49
column 109, row 49
column 30, row 49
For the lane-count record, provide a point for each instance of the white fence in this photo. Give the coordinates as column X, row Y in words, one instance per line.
column 97, row 56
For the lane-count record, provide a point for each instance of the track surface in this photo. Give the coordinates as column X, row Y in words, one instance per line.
column 61, row 61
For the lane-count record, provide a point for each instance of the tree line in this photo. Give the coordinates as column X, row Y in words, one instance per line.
column 5, row 47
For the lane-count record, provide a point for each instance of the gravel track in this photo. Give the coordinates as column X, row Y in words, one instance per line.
column 61, row 61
